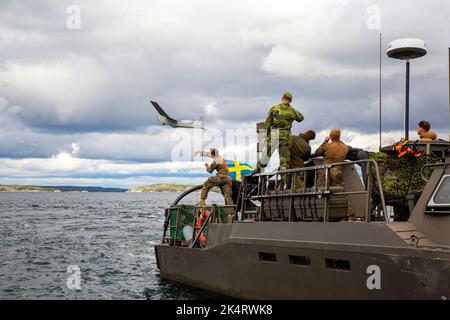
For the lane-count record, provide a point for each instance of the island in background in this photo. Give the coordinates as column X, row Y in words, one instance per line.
column 15, row 188
column 26, row 189
column 150, row 188
column 161, row 188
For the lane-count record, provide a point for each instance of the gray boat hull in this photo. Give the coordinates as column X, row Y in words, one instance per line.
column 332, row 266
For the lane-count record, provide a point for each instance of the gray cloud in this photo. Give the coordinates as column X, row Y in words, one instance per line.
column 92, row 85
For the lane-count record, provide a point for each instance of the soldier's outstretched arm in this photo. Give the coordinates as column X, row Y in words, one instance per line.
column 203, row 154
column 298, row 116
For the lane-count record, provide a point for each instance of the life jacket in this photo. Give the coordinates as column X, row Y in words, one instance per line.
column 200, row 221
column 404, row 151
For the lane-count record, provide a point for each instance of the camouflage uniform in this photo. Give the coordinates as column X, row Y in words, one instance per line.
column 401, row 176
column 222, row 179
column 300, row 152
column 280, row 118
column 334, row 152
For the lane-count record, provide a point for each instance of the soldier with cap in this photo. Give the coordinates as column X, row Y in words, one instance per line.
column 278, row 125
column 222, row 178
column 334, row 152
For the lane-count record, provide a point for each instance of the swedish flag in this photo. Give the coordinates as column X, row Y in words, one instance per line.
column 238, row 169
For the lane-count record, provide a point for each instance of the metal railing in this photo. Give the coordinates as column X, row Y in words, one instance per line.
column 432, row 166
column 180, row 216
column 274, row 185
column 282, row 190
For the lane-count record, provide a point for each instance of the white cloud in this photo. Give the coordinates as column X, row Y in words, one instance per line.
column 66, row 164
column 211, row 109
column 230, row 60
column 75, row 148
column 288, row 62
column 65, row 88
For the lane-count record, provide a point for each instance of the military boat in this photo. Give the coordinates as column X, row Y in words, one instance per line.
column 285, row 241
column 384, row 234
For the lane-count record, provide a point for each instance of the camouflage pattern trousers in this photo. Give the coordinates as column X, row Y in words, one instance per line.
column 284, row 150
column 223, row 181
column 336, row 177
column 298, row 180
column 336, row 180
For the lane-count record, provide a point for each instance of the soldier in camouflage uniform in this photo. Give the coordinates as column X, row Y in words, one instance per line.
column 278, row 125
column 300, row 153
column 222, row 179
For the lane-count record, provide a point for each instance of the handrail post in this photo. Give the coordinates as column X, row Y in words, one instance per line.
column 166, row 223
column 380, row 187
column 291, row 202
column 201, row 231
column 326, row 189
column 176, row 227
column 244, row 201
column 262, row 182
column 369, row 193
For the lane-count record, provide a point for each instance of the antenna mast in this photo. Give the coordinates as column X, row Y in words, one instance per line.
column 380, row 95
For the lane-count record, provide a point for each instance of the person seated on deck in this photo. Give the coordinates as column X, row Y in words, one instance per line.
column 300, row 153
column 222, row 178
column 334, row 152
column 425, row 132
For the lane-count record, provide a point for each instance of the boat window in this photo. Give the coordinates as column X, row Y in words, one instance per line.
column 442, row 195
column 300, row 260
column 270, row 257
column 338, row 264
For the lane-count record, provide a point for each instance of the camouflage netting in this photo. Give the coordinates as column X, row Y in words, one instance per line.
column 401, row 176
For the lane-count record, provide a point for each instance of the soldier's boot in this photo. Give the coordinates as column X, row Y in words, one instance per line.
column 201, row 203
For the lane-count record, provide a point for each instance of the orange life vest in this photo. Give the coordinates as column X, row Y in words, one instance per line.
column 203, row 217
column 403, row 151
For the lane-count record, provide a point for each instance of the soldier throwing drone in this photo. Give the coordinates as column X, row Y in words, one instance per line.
column 222, row 179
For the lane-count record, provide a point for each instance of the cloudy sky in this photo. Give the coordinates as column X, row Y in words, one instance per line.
column 76, row 77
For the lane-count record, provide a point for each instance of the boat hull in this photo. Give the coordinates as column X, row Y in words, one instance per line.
column 289, row 262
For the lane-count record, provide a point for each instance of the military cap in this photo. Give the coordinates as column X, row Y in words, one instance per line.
column 287, row 95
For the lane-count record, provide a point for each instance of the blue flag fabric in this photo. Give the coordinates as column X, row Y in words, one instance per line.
column 238, row 169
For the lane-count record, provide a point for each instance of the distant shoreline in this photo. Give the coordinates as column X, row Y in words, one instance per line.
column 81, row 189
column 160, row 188
column 27, row 189
column 154, row 188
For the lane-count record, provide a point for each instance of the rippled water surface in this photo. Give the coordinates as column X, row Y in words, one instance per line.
column 109, row 236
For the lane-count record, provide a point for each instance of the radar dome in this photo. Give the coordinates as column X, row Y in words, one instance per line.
column 406, row 49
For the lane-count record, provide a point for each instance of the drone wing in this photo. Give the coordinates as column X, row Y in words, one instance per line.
column 161, row 111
